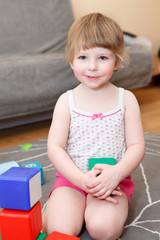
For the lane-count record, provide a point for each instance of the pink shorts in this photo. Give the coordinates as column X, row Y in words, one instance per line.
column 126, row 185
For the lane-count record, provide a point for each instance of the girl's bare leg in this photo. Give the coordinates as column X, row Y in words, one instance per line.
column 105, row 220
column 64, row 211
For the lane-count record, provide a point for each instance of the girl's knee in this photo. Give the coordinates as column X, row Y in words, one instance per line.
column 95, row 228
column 70, row 228
column 66, row 229
column 99, row 230
column 64, row 225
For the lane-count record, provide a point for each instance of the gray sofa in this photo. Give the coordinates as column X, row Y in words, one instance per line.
column 33, row 71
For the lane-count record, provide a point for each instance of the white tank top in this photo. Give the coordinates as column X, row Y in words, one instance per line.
column 96, row 135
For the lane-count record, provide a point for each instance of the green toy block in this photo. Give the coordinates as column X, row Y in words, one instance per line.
column 93, row 161
column 26, row 146
column 41, row 236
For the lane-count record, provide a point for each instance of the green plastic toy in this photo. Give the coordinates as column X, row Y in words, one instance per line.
column 26, row 146
column 41, row 236
column 109, row 161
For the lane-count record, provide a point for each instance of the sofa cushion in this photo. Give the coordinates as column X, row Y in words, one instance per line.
column 139, row 71
column 33, row 25
column 33, row 83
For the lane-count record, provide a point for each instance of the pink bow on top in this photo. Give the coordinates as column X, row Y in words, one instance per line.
column 98, row 115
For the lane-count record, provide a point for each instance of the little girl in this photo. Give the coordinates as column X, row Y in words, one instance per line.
column 94, row 120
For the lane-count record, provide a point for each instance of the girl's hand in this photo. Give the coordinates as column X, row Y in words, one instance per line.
column 89, row 178
column 106, row 183
column 111, row 198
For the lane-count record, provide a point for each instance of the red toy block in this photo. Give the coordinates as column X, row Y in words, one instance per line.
column 19, row 224
column 61, row 236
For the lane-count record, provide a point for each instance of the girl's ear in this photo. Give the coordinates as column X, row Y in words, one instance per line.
column 116, row 68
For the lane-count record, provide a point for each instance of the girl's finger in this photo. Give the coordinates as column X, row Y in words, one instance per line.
column 112, row 200
column 116, row 193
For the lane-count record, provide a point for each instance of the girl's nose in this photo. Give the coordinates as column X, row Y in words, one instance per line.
column 92, row 66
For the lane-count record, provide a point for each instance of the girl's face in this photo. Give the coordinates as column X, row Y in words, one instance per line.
column 94, row 67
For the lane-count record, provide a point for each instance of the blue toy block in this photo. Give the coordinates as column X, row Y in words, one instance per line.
column 20, row 188
column 35, row 165
column 7, row 165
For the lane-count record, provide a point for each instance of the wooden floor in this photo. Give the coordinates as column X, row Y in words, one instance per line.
column 149, row 101
column 148, row 98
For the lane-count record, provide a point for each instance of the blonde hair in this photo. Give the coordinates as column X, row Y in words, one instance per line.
column 96, row 30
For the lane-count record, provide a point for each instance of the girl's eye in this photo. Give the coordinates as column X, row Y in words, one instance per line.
column 103, row 58
column 82, row 57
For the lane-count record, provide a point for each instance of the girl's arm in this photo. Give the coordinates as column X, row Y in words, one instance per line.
column 57, row 138
column 134, row 137
column 112, row 175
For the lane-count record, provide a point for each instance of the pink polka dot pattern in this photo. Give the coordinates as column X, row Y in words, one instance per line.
column 96, row 135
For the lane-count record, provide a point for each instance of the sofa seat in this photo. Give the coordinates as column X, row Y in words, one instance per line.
column 30, row 85
column 139, row 71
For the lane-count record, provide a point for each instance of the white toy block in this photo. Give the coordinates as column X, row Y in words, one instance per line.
column 7, row 165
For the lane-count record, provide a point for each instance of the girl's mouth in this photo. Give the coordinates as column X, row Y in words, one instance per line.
column 92, row 77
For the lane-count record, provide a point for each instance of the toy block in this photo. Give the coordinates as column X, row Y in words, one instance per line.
column 18, row 225
column 7, row 165
column 41, row 236
column 35, row 165
column 26, row 146
column 20, row 188
column 61, row 236
column 93, row 161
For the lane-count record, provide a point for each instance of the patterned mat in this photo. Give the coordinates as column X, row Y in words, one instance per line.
column 144, row 213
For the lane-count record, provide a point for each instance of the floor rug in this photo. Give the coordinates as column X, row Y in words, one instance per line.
column 143, row 222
